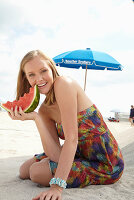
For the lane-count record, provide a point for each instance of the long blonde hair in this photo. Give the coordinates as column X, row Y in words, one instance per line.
column 22, row 82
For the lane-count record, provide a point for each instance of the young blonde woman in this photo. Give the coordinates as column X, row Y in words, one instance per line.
column 89, row 155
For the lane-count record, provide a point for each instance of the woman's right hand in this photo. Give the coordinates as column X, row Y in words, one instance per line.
column 20, row 115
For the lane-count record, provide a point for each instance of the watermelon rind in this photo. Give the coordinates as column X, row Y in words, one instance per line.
column 34, row 102
column 8, row 110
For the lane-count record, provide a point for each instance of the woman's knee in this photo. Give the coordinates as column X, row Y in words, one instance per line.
column 24, row 169
column 40, row 173
column 34, row 172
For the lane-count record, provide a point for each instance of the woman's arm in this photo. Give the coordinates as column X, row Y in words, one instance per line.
column 66, row 97
column 48, row 135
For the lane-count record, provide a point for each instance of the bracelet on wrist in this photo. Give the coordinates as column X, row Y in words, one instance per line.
column 59, row 182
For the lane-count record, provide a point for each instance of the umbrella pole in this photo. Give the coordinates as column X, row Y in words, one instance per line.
column 85, row 78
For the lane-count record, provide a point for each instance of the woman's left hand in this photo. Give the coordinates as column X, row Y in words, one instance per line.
column 52, row 194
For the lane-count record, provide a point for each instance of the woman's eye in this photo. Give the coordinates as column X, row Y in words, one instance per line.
column 44, row 70
column 30, row 75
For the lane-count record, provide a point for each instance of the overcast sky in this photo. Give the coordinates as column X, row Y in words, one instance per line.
column 56, row 26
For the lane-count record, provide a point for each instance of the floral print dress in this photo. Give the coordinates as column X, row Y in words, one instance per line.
column 98, row 159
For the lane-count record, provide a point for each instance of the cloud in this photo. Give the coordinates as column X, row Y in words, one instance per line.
column 10, row 15
column 93, row 18
column 66, row 25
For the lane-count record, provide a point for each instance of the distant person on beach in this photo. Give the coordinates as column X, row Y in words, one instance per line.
column 90, row 154
column 131, row 116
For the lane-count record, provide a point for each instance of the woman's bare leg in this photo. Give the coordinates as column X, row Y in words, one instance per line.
column 40, row 172
column 24, row 169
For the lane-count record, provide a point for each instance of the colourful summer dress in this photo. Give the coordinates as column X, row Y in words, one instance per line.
column 98, row 159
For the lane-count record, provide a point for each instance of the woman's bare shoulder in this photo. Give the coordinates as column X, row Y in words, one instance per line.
column 65, row 81
column 83, row 100
column 64, row 87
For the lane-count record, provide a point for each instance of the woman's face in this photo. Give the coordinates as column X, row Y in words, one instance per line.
column 39, row 73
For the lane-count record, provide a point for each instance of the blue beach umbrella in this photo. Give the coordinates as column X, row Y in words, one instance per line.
column 87, row 59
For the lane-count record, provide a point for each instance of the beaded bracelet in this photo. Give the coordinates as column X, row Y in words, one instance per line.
column 59, row 182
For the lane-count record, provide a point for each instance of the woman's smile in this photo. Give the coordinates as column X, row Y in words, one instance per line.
column 42, row 85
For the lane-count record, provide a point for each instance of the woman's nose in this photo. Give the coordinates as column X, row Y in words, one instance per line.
column 39, row 78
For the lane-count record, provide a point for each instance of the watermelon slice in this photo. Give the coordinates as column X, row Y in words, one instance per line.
column 28, row 102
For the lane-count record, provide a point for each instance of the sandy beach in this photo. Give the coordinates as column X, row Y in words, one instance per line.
column 20, row 141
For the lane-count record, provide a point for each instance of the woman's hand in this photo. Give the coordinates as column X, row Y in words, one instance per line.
column 54, row 193
column 18, row 114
